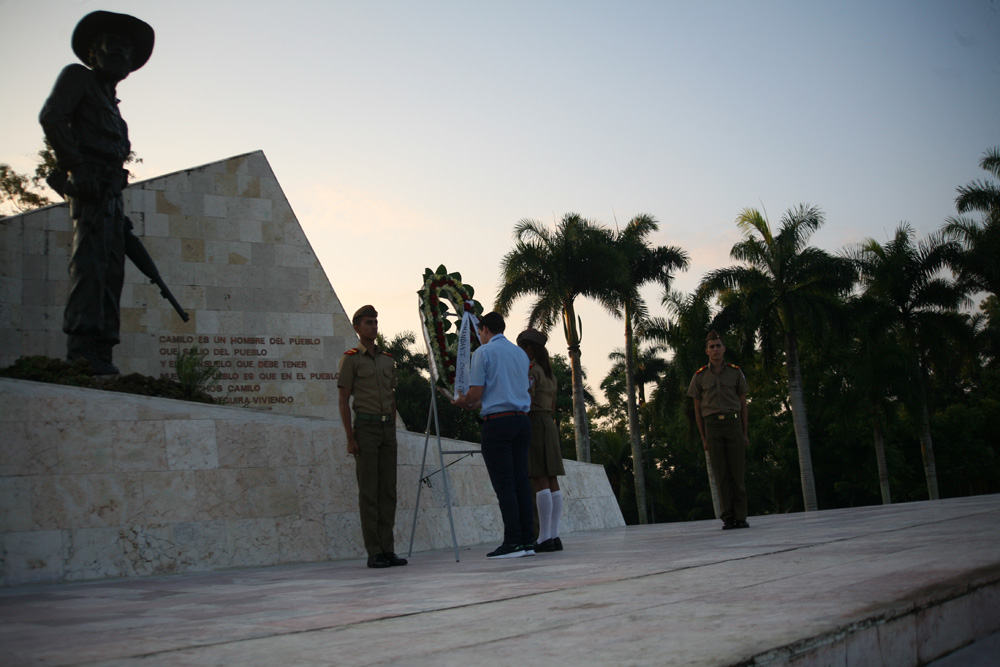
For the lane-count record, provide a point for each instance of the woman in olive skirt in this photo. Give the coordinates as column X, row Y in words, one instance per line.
column 545, row 459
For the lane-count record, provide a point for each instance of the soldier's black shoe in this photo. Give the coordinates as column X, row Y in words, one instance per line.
column 729, row 525
column 378, row 560
column 393, row 559
column 741, row 524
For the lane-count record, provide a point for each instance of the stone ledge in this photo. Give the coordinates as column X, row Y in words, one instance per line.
column 96, row 484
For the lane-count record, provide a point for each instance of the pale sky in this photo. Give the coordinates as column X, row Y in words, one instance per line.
column 409, row 134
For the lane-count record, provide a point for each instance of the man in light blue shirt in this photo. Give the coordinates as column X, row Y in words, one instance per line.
column 499, row 386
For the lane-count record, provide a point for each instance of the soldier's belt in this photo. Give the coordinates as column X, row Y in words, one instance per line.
column 364, row 416
column 720, row 416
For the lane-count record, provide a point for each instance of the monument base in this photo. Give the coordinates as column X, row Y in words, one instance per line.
column 95, row 484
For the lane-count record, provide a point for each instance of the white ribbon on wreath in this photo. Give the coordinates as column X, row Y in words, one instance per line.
column 463, row 361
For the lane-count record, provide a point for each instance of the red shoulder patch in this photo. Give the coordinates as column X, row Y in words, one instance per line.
column 733, row 366
column 701, row 369
column 353, row 350
column 386, row 354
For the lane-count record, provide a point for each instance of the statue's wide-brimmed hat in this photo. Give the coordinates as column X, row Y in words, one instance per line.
column 97, row 23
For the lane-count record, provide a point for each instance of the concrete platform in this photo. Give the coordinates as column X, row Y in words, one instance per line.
column 898, row 585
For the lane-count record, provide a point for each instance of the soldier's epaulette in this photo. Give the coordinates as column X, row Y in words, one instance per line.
column 353, row 350
column 701, row 369
column 386, row 354
column 733, row 366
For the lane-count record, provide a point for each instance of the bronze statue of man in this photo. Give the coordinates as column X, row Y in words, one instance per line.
column 90, row 141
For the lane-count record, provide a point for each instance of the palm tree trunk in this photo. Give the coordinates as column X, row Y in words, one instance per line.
column 797, row 400
column 580, row 428
column 926, row 444
column 638, row 468
column 883, row 471
column 927, row 450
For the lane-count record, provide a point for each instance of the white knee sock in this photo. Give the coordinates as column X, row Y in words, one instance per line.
column 556, row 512
column 543, row 500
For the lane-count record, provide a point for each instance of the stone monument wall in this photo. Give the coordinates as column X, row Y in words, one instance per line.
column 227, row 243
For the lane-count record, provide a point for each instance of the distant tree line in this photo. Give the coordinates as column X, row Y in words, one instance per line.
column 873, row 370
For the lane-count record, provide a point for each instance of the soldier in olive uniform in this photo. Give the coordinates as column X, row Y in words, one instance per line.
column 719, row 391
column 369, row 375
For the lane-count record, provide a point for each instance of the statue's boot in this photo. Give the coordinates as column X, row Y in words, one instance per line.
column 104, row 355
column 96, row 352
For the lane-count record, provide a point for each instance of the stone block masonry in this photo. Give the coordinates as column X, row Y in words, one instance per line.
column 95, row 484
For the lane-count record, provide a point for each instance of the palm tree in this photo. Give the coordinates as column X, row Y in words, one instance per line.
column 782, row 283
column 918, row 306
column 558, row 266
column 976, row 265
column 637, row 367
column 641, row 264
column 872, row 358
column 982, row 196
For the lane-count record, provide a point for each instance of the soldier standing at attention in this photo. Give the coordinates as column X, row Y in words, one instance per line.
column 368, row 374
column 719, row 391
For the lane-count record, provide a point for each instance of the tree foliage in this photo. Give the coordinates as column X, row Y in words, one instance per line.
column 20, row 193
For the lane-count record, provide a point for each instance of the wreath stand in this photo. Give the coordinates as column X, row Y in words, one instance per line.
column 437, row 285
column 432, row 416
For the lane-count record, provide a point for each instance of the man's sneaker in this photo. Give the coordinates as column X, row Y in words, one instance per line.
column 507, row 551
column 529, row 549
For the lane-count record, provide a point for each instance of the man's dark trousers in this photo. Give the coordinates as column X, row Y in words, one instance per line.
column 506, row 443
column 375, row 465
column 728, row 451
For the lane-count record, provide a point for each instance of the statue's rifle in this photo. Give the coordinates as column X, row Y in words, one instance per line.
column 134, row 249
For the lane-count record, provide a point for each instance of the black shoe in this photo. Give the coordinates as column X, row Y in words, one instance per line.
column 729, row 525
column 547, row 546
column 378, row 560
column 557, row 543
column 393, row 559
column 507, row 551
column 742, row 523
